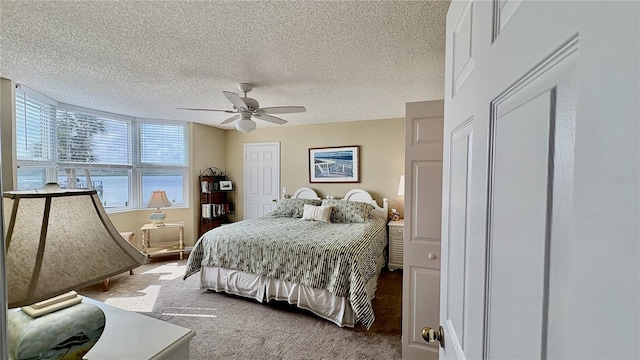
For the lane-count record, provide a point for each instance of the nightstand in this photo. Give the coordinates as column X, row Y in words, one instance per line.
column 396, row 233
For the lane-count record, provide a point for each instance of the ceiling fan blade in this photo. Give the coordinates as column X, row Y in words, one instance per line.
column 283, row 110
column 227, row 111
column 236, row 100
column 235, row 117
column 271, row 119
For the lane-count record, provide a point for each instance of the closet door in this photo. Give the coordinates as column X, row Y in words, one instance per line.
column 261, row 178
column 423, row 203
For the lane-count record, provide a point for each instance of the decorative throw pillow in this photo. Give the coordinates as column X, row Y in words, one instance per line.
column 348, row 211
column 292, row 207
column 316, row 213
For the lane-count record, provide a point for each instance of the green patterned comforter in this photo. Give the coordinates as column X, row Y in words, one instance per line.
column 340, row 258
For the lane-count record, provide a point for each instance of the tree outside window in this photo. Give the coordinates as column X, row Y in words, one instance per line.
column 75, row 135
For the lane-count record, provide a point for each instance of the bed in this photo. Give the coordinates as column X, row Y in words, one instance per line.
column 327, row 264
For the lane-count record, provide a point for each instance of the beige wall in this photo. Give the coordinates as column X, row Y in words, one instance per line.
column 381, row 156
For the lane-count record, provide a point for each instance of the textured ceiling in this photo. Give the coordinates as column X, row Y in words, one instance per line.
column 343, row 61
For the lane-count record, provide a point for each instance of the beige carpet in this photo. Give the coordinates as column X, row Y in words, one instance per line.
column 229, row 327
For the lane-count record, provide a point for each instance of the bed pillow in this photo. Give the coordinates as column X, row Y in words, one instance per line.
column 316, row 213
column 293, row 207
column 348, row 211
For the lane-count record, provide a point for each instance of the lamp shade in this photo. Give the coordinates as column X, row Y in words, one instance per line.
column 60, row 240
column 401, row 186
column 158, row 199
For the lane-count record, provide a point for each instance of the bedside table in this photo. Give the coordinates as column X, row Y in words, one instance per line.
column 396, row 233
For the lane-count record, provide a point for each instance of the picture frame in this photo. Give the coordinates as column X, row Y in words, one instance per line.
column 334, row 164
column 226, row 185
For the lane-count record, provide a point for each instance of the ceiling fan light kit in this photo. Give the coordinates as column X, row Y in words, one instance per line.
column 245, row 126
column 245, row 108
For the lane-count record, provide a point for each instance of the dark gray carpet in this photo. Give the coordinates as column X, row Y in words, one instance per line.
column 229, row 327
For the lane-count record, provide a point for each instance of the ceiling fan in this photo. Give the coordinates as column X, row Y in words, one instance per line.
column 245, row 108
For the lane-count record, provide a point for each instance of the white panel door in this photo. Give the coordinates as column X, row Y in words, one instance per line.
column 261, row 178
column 422, row 218
column 541, row 185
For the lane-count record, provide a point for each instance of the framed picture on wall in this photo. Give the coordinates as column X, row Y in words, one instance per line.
column 334, row 164
column 226, row 185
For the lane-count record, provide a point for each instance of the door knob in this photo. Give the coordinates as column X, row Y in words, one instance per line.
column 431, row 335
column 274, row 200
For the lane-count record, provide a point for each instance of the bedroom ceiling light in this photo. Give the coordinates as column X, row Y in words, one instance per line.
column 56, row 241
column 245, row 126
column 158, row 199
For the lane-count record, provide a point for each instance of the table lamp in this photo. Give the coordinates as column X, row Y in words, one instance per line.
column 158, row 199
column 58, row 240
column 395, row 215
column 401, row 186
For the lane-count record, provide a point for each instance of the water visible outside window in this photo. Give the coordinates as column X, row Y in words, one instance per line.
column 112, row 185
column 168, row 180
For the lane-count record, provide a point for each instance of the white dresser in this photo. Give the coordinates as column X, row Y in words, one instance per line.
column 396, row 233
column 132, row 336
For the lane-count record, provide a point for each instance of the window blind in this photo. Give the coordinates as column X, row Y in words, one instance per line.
column 85, row 138
column 163, row 144
column 35, row 122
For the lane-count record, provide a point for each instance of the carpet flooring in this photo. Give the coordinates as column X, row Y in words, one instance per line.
column 229, row 327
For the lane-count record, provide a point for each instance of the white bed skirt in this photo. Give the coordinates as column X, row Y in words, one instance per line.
column 320, row 302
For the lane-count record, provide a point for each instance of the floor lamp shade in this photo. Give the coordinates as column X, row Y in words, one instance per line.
column 57, row 241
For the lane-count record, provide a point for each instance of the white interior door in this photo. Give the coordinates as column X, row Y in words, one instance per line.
column 423, row 199
column 261, row 178
column 541, row 180
column 460, row 255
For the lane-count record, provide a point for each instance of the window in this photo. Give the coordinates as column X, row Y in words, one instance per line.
column 163, row 155
column 35, row 119
column 123, row 158
column 31, row 178
column 83, row 138
column 162, row 144
column 113, row 185
column 163, row 179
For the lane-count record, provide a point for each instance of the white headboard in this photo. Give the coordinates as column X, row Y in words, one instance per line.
column 305, row 193
column 353, row 195
column 364, row 196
